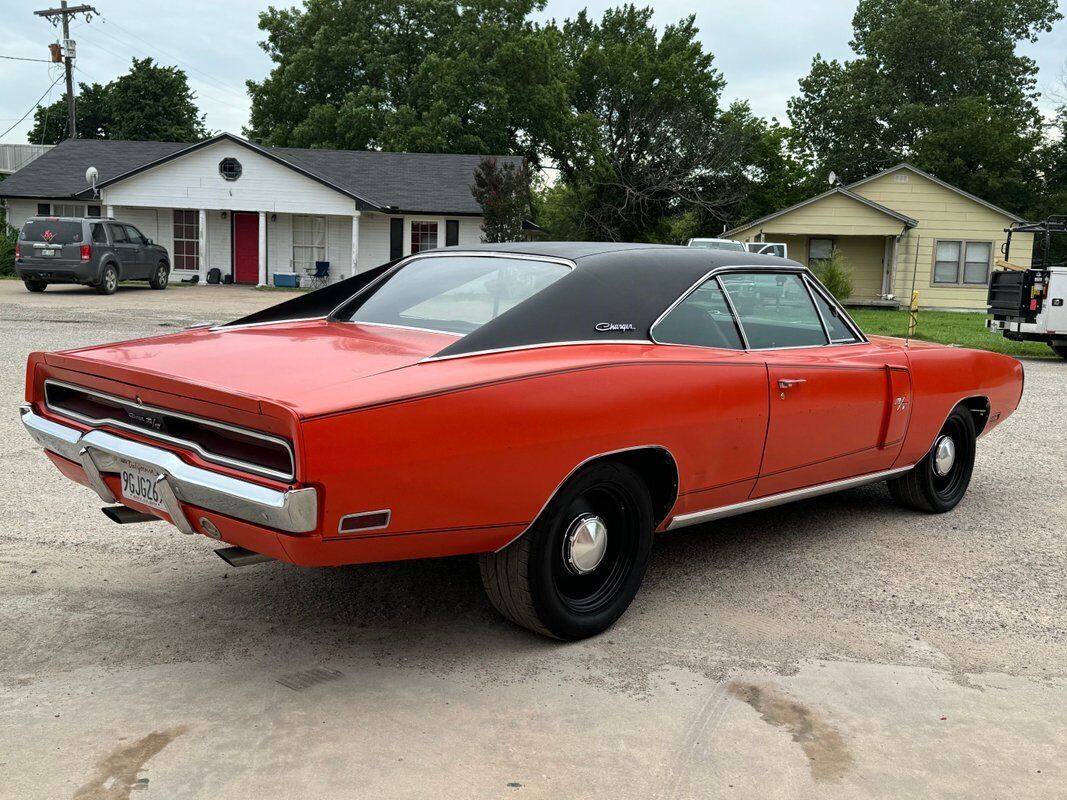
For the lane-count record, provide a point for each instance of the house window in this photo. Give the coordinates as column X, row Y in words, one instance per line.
column 962, row 263
column 423, row 236
column 309, row 242
column 186, row 239
column 92, row 211
column 819, row 250
column 44, row 209
column 67, row 210
column 230, row 169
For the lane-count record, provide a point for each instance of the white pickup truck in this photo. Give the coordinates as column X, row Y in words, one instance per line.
column 1030, row 305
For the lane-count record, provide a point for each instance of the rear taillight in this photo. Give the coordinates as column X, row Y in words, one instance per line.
column 87, row 252
column 18, row 251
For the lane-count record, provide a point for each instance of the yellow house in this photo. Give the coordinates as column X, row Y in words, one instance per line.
column 900, row 228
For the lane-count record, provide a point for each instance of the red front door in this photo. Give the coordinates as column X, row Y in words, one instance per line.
column 245, row 247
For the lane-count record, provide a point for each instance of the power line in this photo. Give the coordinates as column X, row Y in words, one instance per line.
column 20, row 58
column 32, row 108
column 156, row 48
column 62, row 17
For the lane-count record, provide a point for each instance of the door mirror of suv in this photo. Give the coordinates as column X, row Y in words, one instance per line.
column 148, row 241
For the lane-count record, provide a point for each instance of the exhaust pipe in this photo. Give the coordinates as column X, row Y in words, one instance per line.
column 240, row 557
column 124, row 515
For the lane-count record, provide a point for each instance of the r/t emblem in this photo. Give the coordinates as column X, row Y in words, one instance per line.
column 901, row 403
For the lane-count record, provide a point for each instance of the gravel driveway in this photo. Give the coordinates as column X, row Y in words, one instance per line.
column 835, row 648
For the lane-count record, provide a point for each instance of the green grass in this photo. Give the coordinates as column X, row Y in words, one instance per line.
column 946, row 327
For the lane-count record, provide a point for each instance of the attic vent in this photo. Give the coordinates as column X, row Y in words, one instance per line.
column 901, row 177
column 230, row 169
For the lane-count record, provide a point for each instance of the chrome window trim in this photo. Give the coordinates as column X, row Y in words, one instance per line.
column 805, row 275
column 536, row 346
column 408, row 328
column 442, row 254
column 225, row 326
column 174, row 440
column 817, row 288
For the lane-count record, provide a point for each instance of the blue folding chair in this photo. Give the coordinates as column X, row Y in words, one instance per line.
column 320, row 275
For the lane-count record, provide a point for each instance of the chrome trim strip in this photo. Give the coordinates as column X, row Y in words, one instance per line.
column 536, row 346
column 294, row 510
column 341, row 522
column 707, row 515
column 819, row 289
column 226, row 326
column 581, row 464
column 163, row 437
column 407, row 328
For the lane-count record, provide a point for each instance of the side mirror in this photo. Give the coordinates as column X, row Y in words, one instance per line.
column 149, row 241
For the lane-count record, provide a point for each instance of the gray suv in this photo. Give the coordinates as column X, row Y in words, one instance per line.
column 90, row 251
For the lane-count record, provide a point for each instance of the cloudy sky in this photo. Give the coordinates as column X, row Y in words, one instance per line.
column 762, row 52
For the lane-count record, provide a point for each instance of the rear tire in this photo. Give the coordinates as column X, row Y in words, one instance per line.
column 937, row 485
column 36, row 286
column 578, row 567
column 161, row 277
column 109, row 280
column 1059, row 349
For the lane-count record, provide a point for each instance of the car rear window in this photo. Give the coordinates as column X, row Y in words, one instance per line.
column 51, row 231
column 455, row 294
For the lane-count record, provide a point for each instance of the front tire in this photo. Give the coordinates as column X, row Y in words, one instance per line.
column 940, row 480
column 1059, row 349
column 36, row 286
column 161, row 277
column 579, row 566
column 109, row 280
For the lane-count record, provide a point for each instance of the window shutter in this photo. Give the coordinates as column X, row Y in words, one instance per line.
column 396, row 238
column 451, row 232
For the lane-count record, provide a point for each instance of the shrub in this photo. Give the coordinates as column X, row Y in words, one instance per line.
column 8, row 237
column 835, row 273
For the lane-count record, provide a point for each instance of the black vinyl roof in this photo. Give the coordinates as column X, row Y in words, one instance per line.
column 394, row 182
column 620, row 284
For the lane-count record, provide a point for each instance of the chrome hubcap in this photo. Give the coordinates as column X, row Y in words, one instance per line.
column 944, row 455
column 585, row 544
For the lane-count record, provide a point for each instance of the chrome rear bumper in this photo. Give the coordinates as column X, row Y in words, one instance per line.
column 97, row 451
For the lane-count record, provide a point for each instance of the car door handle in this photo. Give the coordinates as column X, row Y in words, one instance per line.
column 789, row 383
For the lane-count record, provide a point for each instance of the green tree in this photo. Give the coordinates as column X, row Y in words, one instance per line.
column 502, row 189
column 475, row 76
column 936, row 82
column 150, row 102
column 645, row 140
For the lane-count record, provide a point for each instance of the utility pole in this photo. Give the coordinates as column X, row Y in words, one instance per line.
column 64, row 13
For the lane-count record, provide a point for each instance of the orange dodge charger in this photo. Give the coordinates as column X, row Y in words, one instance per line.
column 547, row 406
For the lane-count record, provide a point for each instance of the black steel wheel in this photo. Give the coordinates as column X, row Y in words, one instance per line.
column 36, row 286
column 109, row 280
column 579, row 566
column 160, row 277
column 940, row 480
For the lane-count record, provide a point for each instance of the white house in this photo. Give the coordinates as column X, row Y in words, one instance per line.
column 254, row 211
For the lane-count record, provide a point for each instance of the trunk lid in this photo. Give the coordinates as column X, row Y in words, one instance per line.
column 296, row 364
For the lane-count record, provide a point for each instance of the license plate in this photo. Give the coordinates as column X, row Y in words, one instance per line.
column 47, row 252
column 139, row 484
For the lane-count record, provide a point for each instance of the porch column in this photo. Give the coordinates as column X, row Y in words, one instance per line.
column 355, row 241
column 202, row 247
column 262, row 248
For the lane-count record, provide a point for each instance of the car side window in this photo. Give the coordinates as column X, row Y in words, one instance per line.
column 702, row 319
column 118, row 234
column 775, row 310
column 840, row 332
column 134, row 235
column 98, row 233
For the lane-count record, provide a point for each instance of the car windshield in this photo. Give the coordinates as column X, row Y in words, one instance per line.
column 51, row 231
column 455, row 294
column 718, row 245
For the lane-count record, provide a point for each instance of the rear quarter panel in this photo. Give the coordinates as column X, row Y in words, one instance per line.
column 942, row 377
column 487, row 457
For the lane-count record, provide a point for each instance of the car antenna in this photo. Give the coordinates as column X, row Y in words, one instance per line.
column 915, row 269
